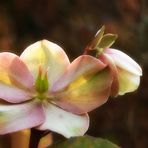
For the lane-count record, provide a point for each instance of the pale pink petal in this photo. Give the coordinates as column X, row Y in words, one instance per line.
column 47, row 55
column 13, row 94
column 105, row 58
column 84, row 87
column 86, row 93
column 21, row 116
column 128, row 82
column 123, row 61
column 64, row 123
column 13, row 71
column 83, row 65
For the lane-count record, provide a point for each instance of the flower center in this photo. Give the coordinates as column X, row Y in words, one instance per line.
column 41, row 84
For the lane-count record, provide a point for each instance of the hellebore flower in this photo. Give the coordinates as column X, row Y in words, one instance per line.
column 126, row 72
column 42, row 89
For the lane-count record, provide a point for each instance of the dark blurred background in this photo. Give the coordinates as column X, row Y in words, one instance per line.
column 72, row 24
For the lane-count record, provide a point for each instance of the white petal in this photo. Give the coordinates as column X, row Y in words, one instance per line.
column 64, row 123
column 128, row 82
column 49, row 56
column 123, row 61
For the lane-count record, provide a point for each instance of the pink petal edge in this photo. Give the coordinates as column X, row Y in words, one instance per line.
column 123, row 61
column 105, row 58
column 77, row 68
column 85, row 86
column 13, row 94
column 21, row 116
column 15, row 69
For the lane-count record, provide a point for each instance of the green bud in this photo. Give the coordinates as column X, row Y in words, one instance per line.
column 99, row 51
column 41, row 83
column 97, row 39
column 107, row 40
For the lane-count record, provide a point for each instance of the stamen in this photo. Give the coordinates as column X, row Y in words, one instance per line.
column 41, row 84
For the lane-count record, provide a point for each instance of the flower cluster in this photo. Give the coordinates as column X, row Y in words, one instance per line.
column 42, row 89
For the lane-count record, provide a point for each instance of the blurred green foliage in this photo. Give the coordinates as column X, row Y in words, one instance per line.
column 85, row 142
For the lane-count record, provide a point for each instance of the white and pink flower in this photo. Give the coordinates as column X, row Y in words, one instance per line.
column 42, row 89
column 126, row 72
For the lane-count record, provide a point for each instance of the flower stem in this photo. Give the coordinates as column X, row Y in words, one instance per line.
column 35, row 138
